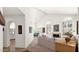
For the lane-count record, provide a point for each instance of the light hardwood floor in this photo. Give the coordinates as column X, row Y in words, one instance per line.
column 6, row 49
column 12, row 47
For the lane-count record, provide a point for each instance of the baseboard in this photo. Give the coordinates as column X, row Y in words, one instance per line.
column 17, row 49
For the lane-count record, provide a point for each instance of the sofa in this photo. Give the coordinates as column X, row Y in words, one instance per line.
column 44, row 44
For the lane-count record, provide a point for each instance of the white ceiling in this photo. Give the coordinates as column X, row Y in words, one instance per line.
column 59, row 10
column 48, row 10
column 11, row 11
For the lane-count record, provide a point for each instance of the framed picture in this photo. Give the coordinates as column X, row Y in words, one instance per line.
column 19, row 29
column 56, row 28
column 30, row 29
column 64, row 24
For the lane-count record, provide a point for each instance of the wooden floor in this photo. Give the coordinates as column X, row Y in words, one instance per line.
column 12, row 48
column 12, row 45
column 6, row 49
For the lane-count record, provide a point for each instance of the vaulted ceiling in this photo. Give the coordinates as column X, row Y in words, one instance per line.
column 48, row 10
column 59, row 10
column 8, row 11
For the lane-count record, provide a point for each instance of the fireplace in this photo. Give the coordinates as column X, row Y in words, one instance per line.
column 56, row 35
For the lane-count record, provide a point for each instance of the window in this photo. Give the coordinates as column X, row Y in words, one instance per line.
column 12, row 25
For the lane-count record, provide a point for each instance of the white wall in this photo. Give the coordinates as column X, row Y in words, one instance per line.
column 1, row 38
column 53, row 19
column 20, row 38
column 31, row 15
column 1, row 33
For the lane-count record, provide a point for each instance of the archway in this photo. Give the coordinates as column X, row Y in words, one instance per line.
column 12, row 35
column 12, row 30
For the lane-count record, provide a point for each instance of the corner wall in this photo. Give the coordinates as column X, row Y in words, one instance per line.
column 31, row 15
column 78, row 34
column 1, row 33
column 1, row 38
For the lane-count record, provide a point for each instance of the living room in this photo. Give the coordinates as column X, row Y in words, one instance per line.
column 57, row 24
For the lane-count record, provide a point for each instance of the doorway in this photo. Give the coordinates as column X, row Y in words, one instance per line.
column 12, row 37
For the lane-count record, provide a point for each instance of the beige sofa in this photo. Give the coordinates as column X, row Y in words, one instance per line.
column 44, row 44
